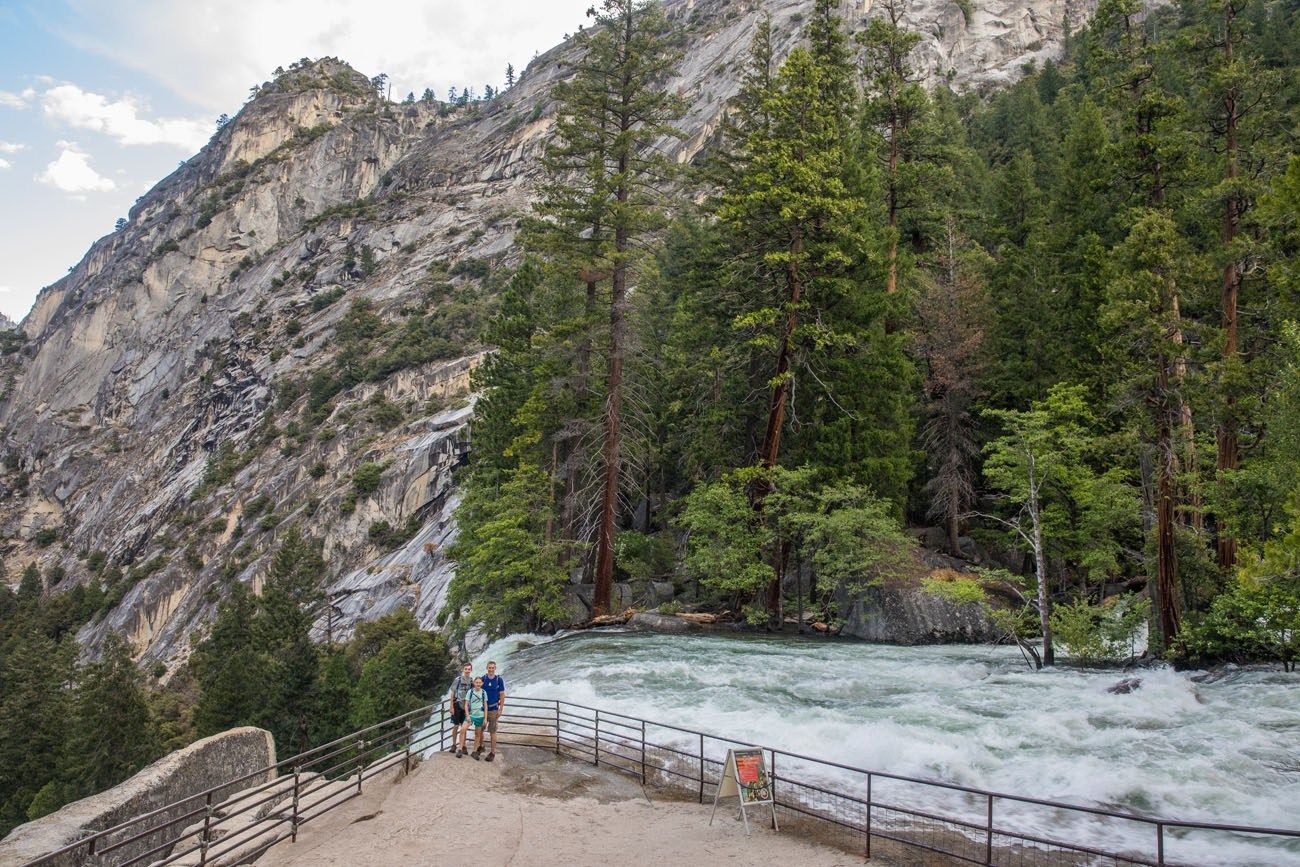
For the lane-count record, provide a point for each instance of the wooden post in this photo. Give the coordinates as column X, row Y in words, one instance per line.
column 406, row 760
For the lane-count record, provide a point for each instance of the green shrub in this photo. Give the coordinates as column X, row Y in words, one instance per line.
column 366, row 478
column 1095, row 633
column 46, row 537
column 1258, row 619
column 954, row 587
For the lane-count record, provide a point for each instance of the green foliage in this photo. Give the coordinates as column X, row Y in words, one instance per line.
column 508, row 574
column 366, row 477
column 955, row 588
column 1256, row 620
column 847, row 535
column 1094, row 633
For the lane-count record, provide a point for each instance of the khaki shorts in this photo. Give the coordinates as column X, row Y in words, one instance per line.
column 492, row 717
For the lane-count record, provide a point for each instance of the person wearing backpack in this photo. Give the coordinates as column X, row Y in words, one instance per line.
column 460, row 688
column 495, row 687
column 476, row 709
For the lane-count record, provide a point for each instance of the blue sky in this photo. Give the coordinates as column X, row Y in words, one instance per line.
column 99, row 100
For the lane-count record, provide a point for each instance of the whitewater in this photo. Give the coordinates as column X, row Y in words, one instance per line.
column 1224, row 750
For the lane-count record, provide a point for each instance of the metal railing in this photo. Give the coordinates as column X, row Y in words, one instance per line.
column 855, row 808
column 836, row 803
column 231, row 823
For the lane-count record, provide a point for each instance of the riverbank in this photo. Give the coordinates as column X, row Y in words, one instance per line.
column 530, row 807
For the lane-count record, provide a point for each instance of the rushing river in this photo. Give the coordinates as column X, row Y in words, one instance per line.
column 1223, row 751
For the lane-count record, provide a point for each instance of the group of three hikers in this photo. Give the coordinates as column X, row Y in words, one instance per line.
column 476, row 701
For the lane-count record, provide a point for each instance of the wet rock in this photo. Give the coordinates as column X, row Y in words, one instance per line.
column 1125, row 686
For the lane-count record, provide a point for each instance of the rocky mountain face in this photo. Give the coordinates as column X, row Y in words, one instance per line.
column 284, row 330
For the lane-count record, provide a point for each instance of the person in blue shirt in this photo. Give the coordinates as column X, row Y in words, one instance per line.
column 494, row 686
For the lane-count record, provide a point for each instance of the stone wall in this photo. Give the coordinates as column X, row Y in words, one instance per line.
column 186, row 772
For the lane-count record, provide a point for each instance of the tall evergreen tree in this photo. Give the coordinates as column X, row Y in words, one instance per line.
column 611, row 116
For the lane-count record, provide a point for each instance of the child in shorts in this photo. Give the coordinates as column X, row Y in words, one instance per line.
column 476, row 706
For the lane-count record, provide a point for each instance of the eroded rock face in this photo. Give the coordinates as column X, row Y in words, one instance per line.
column 196, row 768
column 158, row 415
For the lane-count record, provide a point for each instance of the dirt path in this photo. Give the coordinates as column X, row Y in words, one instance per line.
column 531, row 808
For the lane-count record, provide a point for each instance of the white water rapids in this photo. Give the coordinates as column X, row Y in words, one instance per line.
column 1226, row 751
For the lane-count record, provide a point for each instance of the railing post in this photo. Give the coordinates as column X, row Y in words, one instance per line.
column 442, row 729
column 988, row 832
column 361, row 749
column 297, row 770
column 643, row 752
column 406, row 760
column 598, row 738
column 1160, row 844
column 206, row 840
column 701, row 767
column 868, row 816
column 557, row 726
column 772, row 783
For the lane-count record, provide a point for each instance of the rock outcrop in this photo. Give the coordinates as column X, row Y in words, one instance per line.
column 196, row 768
column 296, row 306
column 909, row 615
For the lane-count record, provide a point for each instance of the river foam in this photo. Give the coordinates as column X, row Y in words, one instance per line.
column 1227, row 751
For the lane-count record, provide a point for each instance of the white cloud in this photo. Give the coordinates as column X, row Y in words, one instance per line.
column 16, row 100
column 4, row 164
column 72, row 173
column 8, row 147
column 211, row 53
column 120, row 119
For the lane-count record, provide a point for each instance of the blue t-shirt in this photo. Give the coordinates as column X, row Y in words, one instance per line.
column 493, row 686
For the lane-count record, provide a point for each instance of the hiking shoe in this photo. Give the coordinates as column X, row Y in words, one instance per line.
column 475, row 755
column 478, row 752
column 491, row 756
column 460, row 753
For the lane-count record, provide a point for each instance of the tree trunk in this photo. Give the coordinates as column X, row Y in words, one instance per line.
column 1040, row 566
column 614, row 386
column 1226, row 435
column 1166, row 472
column 776, row 408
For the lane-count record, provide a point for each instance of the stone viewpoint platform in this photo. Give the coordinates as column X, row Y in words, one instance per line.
column 531, row 807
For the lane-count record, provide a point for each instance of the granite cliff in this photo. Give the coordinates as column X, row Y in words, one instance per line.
column 284, row 330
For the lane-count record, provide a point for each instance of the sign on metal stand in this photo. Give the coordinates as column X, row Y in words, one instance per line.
column 745, row 777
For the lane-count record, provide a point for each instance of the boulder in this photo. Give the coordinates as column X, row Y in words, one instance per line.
column 1125, row 686
column 909, row 615
column 648, row 621
column 661, row 592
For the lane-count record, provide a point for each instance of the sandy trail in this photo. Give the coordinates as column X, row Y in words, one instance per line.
column 531, row 808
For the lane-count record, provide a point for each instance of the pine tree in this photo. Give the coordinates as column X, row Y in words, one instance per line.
column 510, row 75
column 611, row 115
column 786, row 206
column 111, row 731
column 896, row 105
